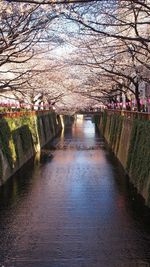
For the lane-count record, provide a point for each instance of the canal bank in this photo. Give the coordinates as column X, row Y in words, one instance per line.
column 22, row 135
column 73, row 210
column 128, row 136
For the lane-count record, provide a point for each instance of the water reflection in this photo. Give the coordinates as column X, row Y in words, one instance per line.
column 83, row 128
column 74, row 210
column 16, row 186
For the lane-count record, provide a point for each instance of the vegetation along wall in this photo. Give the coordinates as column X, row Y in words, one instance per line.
column 129, row 139
column 21, row 136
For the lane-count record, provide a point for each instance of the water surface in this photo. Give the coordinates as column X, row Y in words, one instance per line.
column 73, row 210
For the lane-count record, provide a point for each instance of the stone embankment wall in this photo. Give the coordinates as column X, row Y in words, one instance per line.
column 21, row 136
column 129, row 139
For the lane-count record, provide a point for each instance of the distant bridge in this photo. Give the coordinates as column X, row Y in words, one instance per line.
column 88, row 112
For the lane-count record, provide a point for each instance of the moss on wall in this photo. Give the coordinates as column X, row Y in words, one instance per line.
column 6, row 142
column 25, row 136
column 104, row 120
column 138, row 162
column 115, row 130
column 114, row 127
column 21, row 137
column 30, row 121
column 46, row 127
column 121, row 135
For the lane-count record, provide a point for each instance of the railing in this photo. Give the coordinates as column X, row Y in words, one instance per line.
column 125, row 113
column 16, row 114
column 90, row 112
column 130, row 114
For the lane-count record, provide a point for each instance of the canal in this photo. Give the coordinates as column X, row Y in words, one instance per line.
column 73, row 209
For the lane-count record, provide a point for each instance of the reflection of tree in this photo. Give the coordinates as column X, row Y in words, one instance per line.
column 13, row 187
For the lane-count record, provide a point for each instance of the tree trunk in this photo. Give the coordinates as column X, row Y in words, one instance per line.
column 137, row 97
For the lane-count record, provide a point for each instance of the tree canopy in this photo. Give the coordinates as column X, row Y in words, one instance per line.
column 58, row 49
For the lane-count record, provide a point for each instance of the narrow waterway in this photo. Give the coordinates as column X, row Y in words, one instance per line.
column 75, row 209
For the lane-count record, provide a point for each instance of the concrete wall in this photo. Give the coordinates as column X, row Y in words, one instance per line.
column 129, row 139
column 22, row 136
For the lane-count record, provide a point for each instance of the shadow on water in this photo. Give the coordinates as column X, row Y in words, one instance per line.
column 134, row 202
column 19, row 183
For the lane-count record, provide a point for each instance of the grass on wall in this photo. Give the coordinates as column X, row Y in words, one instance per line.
column 9, row 129
column 31, row 122
column 6, row 142
column 104, row 120
column 115, row 129
column 27, row 129
column 100, row 117
column 43, row 126
column 138, row 163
